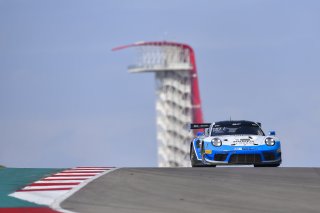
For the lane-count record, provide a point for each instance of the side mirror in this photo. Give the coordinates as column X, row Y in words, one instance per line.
column 207, row 132
column 200, row 134
column 272, row 133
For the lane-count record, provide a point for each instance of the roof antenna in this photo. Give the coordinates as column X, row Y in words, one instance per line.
column 230, row 118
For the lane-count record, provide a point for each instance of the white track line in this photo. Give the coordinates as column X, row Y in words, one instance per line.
column 56, row 204
column 60, row 181
column 46, row 187
column 75, row 174
column 78, row 173
column 65, row 178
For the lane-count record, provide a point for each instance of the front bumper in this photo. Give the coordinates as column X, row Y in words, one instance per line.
column 261, row 155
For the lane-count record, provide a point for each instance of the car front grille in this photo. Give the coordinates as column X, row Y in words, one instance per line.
column 220, row 157
column 245, row 158
column 269, row 156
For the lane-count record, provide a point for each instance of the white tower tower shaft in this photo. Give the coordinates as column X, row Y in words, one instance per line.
column 178, row 97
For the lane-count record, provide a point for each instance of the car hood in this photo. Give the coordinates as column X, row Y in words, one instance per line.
column 240, row 140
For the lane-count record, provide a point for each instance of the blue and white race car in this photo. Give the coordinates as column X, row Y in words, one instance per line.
column 234, row 142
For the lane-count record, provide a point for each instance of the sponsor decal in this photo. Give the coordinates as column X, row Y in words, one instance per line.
column 243, row 141
column 208, row 151
column 248, row 148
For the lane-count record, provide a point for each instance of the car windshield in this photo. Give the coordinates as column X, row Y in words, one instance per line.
column 236, row 130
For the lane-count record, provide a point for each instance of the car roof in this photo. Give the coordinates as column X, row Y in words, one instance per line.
column 236, row 122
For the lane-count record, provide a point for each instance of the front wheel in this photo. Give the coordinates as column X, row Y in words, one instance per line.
column 193, row 158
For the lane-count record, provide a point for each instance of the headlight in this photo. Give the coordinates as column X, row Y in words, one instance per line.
column 216, row 142
column 270, row 141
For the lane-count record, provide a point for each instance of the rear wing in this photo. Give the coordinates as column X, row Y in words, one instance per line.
column 199, row 125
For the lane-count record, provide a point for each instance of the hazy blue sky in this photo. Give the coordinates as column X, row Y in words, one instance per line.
column 67, row 100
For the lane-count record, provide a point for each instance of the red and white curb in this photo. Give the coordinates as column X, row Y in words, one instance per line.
column 51, row 191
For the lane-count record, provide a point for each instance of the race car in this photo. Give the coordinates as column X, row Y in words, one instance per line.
column 234, row 143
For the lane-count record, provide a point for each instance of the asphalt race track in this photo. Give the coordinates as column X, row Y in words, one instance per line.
column 225, row 189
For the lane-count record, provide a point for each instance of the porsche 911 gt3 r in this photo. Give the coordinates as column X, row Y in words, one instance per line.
column 234, row 142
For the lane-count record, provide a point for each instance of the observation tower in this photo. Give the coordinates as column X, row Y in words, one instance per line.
column 178, row 97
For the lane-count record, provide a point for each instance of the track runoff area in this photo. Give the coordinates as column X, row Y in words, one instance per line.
column 42, row 190
column 222, row 189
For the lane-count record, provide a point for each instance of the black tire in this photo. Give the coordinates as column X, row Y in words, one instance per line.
column 193, row 158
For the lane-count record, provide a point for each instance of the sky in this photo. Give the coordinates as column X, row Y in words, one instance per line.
column 67, row 100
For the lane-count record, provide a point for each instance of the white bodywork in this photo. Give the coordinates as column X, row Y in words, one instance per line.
column 240, row 140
